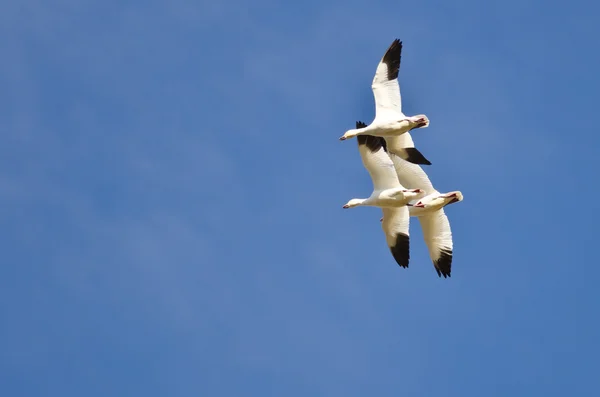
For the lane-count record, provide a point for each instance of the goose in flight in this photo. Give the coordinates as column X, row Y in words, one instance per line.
column 429, row 210
column 388, row 194
column 389, row 119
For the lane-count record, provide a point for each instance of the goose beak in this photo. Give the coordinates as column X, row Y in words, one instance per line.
column 342, row 138
column 346, row 206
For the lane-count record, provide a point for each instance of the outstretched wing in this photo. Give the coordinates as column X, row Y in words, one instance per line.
column 411, row 176
column 375, row 159
column 438, row 237
column 404, row 147
column 395, row 226
column 386, row 90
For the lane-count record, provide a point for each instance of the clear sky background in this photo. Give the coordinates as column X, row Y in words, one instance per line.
column 171, row 184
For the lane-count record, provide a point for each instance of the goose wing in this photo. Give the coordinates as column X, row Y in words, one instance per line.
column 438, row 237
column 395, row 226
column 404, row 147
column 386, row 90
column 411, row 176
column 376, row 160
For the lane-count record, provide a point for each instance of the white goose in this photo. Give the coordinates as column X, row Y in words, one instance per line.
column 430, row 212
column 389, row 119
column 388, row 194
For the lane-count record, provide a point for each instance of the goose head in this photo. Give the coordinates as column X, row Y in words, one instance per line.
column 353, row 203
column 418, row 121
column 442, row 200
column 453, row 197
column 407, row 194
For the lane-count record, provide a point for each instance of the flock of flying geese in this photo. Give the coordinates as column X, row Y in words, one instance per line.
column 401, row 187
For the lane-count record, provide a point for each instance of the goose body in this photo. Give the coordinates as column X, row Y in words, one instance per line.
column 389, row 194
column 389, row 120
column 429, row 209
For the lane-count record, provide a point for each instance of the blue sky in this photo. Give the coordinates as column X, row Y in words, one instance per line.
column 171, row 184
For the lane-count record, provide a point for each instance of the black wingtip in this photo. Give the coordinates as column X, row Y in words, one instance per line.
column 413, row 155
column 401, row 250
column 374, row 143
column 392, row 59
column 443, row 266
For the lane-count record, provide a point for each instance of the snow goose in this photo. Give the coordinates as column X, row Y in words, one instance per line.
column 429, row 210
column 389, row 119
column 388, row 194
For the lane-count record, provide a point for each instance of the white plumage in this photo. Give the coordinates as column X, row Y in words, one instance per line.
column 389, row 119
column 401, row 188
column 389, row 194
column 430, row 212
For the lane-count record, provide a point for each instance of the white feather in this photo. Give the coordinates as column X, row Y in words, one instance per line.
column 412, row 175
column 380, row 167
column 388, row 102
